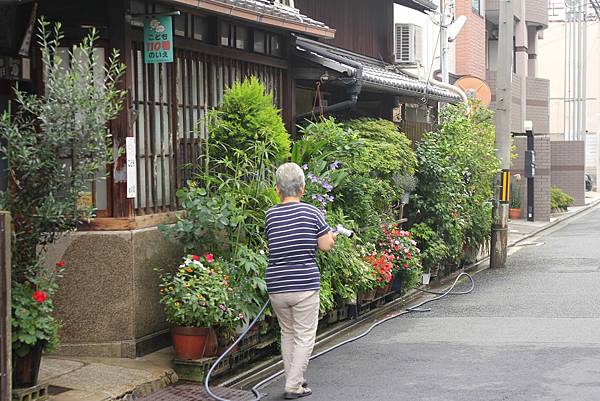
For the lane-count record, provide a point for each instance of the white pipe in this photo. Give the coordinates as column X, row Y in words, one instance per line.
column 434, row 82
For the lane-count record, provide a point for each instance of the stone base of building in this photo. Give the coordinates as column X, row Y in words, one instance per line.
column 108, row 301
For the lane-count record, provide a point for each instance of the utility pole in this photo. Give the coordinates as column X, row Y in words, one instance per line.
column 444, row 65
column 499, row 241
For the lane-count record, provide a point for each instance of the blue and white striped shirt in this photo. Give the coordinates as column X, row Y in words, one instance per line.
column 292, row 230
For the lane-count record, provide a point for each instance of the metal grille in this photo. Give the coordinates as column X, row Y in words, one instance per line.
column 190, row 392
column 172, row 101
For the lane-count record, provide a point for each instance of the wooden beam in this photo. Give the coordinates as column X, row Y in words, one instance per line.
column 5, row 308
column 120, row 38
column 130, row 223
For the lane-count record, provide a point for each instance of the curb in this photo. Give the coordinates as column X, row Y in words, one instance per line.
column 556, row 222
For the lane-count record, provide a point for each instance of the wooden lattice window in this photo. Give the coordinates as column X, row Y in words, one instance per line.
column 172, row 102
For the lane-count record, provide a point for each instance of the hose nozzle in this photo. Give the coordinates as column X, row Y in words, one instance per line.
column 344, row 231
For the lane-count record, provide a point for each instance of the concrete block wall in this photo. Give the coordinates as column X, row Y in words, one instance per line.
column 108, row 300
column 568, row 168
column 516, row 116
column 541, row 191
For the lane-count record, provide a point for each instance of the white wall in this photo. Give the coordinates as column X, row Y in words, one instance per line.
column 405, row 15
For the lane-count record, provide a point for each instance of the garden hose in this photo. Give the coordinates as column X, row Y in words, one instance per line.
column 416, row 308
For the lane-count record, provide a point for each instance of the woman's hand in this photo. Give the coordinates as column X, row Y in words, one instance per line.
column 327, row 241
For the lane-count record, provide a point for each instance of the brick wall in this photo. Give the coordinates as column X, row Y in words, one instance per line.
column 538, row 95
column 470, row 43
column 541, row 191
column 568, row 168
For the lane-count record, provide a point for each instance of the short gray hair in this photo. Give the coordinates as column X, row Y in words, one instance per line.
column 290, row 179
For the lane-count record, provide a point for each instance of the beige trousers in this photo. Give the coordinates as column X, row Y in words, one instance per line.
column 298, row 316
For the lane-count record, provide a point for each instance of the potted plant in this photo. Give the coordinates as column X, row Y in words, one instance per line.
column 33, row 328
column 406, row 256
column 515, row 203
column 55, row 145
column 196, row 299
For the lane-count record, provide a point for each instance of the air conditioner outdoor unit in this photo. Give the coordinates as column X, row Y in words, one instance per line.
column 408, row 44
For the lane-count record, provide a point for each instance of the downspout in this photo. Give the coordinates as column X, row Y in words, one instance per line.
column 354, row 91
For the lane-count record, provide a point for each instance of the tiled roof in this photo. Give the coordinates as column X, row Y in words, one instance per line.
column 275, row 9
column 376, row 75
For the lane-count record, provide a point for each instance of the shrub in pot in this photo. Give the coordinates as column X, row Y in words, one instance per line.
column 196, row 300
column 55, row 145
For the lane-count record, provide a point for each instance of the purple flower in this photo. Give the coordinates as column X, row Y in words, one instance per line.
column 331, row 198
column 223, row 307
column 305, row 167
column 335, row 165
column 314, row 197
column 313, row 178
column 328, row 187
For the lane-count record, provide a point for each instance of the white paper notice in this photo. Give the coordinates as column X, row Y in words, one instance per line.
column 131, row 167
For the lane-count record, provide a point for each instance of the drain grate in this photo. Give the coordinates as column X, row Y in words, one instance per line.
column 189, row 392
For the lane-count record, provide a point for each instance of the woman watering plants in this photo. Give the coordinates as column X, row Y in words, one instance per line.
column 294, row 231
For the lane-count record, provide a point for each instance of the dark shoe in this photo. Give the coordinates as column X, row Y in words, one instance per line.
column 288, row 395
column 304, row 384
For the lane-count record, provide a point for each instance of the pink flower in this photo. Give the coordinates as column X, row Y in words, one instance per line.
column 195, row 257
column 209, row 257
column 60, row 264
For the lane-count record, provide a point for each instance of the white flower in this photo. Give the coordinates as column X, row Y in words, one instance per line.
column 261, row 252
column 182, row 266
column 397, row 242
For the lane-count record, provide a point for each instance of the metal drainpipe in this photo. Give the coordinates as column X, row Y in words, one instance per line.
column 353, row 92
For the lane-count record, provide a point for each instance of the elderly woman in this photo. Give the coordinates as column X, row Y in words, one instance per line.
column 295, row 230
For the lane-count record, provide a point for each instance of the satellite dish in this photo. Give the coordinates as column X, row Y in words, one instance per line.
column 475, row 88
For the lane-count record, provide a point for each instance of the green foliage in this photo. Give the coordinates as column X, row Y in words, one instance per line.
column 56, row 143
column 207, row 220
column 247, row 271
column 515, row 200
column 385, row 150
column 457, row 165
column 247, row 123
column 198, row 294
column 32, row 320
column 344, row 272
column 560, row 201
column 54, row 146
column 371, row 152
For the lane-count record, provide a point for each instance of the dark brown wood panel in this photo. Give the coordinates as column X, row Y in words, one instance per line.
column 365, row 27
column 5, row 310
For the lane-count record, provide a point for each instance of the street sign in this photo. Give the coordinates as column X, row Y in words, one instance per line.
column 130, row 154
column 158, row 39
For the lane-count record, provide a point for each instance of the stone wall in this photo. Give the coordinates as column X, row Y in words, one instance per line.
column 108, row 297
column 568, row 168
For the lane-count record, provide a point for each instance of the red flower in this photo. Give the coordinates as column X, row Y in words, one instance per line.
column 40, row 296
column 209, row 257
column 195, row 257
column 60, row 264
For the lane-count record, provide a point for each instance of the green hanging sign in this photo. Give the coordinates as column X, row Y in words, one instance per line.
column 158, row 39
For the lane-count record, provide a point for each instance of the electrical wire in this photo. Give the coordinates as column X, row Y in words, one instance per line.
column 416, row 308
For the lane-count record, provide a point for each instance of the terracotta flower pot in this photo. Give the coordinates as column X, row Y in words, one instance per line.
column 26, row 369
column 514, row 214
column 192, row 342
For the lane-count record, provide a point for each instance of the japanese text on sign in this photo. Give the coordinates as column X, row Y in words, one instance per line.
column 158, row 40
column 130, row 154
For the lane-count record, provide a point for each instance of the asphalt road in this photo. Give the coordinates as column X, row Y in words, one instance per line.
column 528, row 332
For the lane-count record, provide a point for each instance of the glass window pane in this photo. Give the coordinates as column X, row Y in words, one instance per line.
column 200, row 28
column 241, row 37
column 259, row 41
column 225, row 34
column 179, row 24
column 276, row 46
